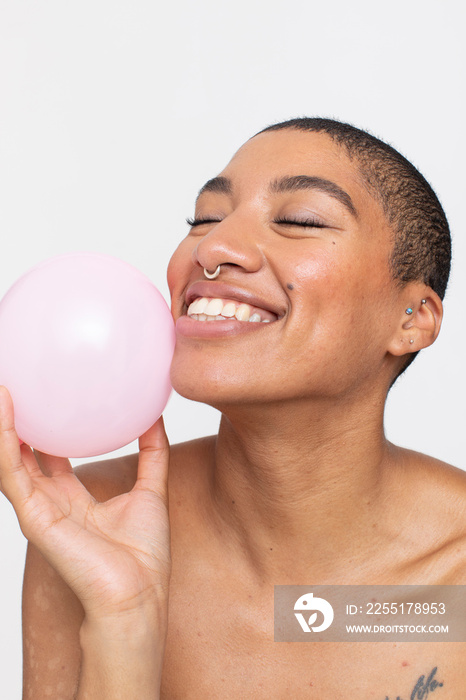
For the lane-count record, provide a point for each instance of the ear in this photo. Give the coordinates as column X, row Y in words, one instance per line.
column 422, row 326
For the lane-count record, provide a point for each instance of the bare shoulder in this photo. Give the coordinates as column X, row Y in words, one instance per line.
column 442, row 484
column 108, row 478
column 436, row 494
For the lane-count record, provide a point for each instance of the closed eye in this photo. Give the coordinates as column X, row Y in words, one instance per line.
column 199, row 222
column 304, row 223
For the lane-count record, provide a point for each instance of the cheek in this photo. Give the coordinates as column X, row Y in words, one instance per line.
column 179, row 262
column 345, row 280
column 324, row 282
column 338, row 302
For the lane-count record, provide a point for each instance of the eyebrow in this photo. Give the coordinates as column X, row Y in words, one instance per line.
column 306, row 182
column 221, row 185
column 294, row 183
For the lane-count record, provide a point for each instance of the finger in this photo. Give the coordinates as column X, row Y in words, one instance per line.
column 51, row 465
column 154, row 453
column 15, row 481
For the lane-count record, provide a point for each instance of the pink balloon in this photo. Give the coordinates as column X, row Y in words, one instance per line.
column 86, row 343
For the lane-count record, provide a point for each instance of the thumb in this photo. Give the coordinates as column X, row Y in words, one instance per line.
column 154, row 455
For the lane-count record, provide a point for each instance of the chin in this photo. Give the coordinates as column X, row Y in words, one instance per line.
column 217, row 385
column 203, row 386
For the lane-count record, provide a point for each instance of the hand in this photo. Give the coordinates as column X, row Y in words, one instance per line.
column 115, row 556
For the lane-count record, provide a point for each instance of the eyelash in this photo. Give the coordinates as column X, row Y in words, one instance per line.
column 306, row 223
column 199, row 222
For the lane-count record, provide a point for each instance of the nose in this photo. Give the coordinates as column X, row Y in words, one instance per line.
column 232, row 241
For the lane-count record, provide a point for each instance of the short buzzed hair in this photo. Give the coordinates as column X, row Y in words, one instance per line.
column 421, row 235
column 422, row 243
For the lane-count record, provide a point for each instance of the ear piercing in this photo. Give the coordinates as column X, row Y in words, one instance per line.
column 212, row 275
column 409, row 310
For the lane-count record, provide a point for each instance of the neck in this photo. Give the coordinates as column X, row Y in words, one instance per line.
column 306, row 480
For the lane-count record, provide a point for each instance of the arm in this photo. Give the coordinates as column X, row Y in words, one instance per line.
column 52, row 614
column 64, row 653
column 123, row 659
column 108, row 565
column 52, row 618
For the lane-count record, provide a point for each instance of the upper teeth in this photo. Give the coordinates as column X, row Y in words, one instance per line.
column 208, row 309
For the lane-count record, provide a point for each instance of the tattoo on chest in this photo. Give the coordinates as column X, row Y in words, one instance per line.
column 424, row 687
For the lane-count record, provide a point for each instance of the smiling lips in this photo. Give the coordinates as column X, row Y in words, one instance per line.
column 217, row 309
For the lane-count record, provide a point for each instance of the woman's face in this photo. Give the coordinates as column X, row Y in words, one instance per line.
column 302, row 243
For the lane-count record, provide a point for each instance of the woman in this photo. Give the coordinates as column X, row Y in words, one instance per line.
column 312, row 275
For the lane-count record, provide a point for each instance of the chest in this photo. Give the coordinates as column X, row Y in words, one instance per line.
column 221, row 646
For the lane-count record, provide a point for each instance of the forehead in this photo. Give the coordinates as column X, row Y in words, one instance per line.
column 293, row 152
column 269, row 158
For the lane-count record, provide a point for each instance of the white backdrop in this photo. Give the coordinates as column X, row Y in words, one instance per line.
column 113, row 113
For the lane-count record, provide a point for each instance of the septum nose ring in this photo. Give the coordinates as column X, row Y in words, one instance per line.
column 212, row 275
